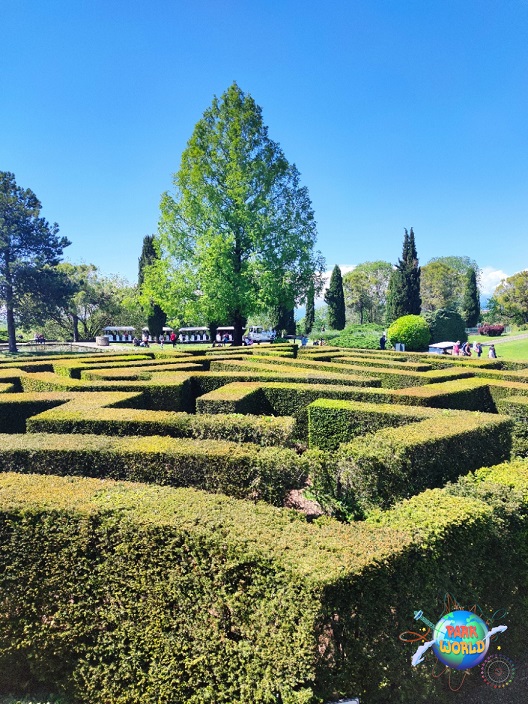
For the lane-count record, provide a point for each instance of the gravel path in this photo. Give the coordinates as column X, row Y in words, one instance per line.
column 510, row 338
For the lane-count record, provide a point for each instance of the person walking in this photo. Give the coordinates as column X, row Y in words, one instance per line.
column 383, row 341
column 173, row 338
column 491, row 353
column 478, row 349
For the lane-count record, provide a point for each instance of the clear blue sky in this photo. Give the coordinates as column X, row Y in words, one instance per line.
column 398, row 113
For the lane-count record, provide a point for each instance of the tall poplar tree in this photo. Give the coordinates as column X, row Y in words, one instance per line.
column 471, row 300
column 237, row 237
column 335, row 299
column 403, row 296
column 156, row 317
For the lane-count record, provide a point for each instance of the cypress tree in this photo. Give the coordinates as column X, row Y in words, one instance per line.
column 412, row 278
column 471, row 301
column 310, row 310
column 285, row 321
column 403, row 295
column 335, row 299
column 156, row 317
column 395, row 306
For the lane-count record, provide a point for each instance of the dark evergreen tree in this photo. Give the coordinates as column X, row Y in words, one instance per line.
column 310, row 310
column 395, row 306
column 335, row 299
column 285, row 321
column 446, row 324
column 412, row 277
column 403, row 295
column 471, row 300
column 156, row 317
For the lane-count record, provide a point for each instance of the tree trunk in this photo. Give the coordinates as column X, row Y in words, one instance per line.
column 75, row 322
column 239, row 323
column 11, row 331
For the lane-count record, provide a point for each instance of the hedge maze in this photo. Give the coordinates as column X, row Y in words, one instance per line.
column 146, row 554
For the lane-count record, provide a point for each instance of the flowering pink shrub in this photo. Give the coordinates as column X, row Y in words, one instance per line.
column 491, row 330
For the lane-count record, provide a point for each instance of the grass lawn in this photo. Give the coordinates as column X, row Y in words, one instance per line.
column 516, row 350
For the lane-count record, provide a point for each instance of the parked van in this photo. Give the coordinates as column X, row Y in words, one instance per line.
column 256, row 333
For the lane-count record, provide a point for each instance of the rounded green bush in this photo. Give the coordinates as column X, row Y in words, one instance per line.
column 412, row 330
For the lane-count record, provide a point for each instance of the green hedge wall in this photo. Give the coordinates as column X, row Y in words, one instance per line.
column 279, row 399
column 241, row 470
column 460, row 394
column 332, row 422
column 72, row 367
column 516, row 407
column 15, row 409
column 394, row 463
column 235, row 427
column 166, row 392
column 125, row 593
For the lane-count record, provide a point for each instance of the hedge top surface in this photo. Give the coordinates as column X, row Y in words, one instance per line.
column 320, row 552
column 513, row 474
column 429, row 515
column 515, row 401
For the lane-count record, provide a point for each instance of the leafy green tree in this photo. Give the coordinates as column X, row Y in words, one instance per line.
column 309, row 319
column 335, row 300
column 460, row 264
column 440, row 286
column 510, row 298
column 95, row 301
column 30, row 249
column 237, row 237
column 365, row 290
column 156, row 317
column 471, row 300
column 444, row 282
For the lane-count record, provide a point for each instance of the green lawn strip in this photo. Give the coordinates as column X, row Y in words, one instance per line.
column 516, row 350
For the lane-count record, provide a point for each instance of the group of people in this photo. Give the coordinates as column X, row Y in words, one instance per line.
column 465, row 350
column 39, row 339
